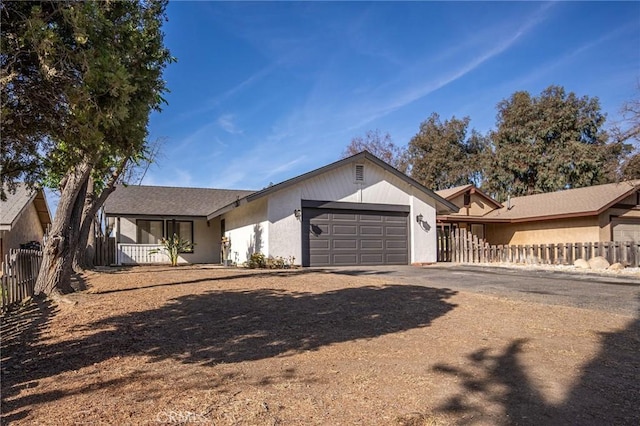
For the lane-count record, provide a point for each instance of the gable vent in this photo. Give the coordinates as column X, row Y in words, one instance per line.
column 359, row 172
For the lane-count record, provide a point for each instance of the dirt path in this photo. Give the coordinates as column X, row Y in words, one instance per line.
column 193, row 345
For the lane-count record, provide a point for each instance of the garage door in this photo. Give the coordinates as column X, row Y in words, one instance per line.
column 335, row 237
column 626, row 231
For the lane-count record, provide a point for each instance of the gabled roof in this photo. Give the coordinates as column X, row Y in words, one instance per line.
column 168, row 201
column 588, row 201
column 452, row 193
column 16, row 203
column 442, row 205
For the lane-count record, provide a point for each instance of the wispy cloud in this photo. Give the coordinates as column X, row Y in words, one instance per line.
column 285, row 167
column 411, row 94
column 570, row 56
column 242, row 86
column 227, row 122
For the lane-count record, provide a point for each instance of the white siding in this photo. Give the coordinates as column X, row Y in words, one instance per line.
column 379, row 187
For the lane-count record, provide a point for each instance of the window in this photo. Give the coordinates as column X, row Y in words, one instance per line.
column 359, row 172
column 149, row 231
column 467, row 199
column 182, row 228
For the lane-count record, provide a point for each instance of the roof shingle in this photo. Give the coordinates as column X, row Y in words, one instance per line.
column 169, row 201
column 569, row 202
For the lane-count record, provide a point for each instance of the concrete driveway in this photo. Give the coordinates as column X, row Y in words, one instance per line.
column 615, row 294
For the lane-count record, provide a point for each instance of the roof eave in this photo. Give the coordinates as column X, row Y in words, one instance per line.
column 447, row 205
column 239, row 202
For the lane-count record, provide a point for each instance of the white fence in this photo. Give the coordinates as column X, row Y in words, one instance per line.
column 137, row 254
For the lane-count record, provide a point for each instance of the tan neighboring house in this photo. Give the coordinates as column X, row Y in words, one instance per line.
column 609, row 212
column 472, row 203
column 24, row 217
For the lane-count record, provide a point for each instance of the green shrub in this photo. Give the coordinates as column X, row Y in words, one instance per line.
column 172, row 247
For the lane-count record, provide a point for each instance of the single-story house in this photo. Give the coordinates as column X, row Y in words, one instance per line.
column 24, row 218
column 599, row 213
column 356, row 211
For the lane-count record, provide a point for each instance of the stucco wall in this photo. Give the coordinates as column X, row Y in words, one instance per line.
column 623, row 215
column 379, row 187
column 578, row 230
column 248, row 229
column 27, row 228
column 206, row 238
column 478, row 206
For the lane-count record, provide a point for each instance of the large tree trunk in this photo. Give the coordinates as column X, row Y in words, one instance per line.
column 80, row 260
column 55, row 271
column 91, row 206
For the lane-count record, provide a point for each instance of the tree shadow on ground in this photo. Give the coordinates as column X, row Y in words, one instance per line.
column 19, row 327
column 607, row 392
column 234, row 326
column 241, row 274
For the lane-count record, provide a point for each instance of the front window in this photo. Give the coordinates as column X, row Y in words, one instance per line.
column 477, row 229
column 149, row 231
column 182, row 228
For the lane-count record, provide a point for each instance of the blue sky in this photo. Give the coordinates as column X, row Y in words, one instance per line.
column 266, row 91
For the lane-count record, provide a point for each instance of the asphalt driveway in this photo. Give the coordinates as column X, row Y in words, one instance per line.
column 615, row 294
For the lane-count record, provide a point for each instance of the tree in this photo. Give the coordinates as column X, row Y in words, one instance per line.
column 628, row 132
column 106, row 60
column 631, row 167
column 441, row 155
column 380, row 145
column 128, row 169
column 547, row 143
column 36, row 88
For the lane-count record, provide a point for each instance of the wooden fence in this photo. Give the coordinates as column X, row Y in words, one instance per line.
column 468, row 248
column 105, row 251
column 19, row 274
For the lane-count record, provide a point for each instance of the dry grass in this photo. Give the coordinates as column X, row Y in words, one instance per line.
column 193, row 345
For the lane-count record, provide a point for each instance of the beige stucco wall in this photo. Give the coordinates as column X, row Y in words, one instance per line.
column 26, row 228
column 622, row 215
column 206, row 237
column 575, row 230
column 478, row 206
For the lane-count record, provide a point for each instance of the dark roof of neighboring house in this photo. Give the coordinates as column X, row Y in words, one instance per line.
column 451, row 193
column 444, row 205
column 169, row 201
column 587, row 201
column 18, row 201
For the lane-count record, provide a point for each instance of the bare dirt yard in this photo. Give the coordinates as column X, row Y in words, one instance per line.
column 197, row 345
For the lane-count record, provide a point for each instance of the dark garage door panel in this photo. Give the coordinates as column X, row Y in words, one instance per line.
column 334, row 237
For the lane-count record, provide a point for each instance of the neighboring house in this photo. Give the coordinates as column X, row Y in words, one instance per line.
column 609, row 212
column 24, row 217
column 472, row 203
column 356, row 211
